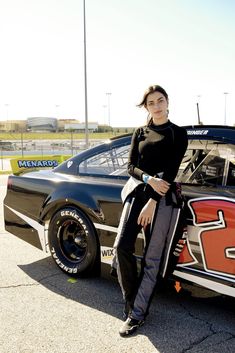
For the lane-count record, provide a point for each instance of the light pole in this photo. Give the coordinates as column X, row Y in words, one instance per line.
column 225, row 107
column 108, row 94
column 22, row 143
column 71, row 139
column 85, row 75
column 104, row 106
column 198, row 112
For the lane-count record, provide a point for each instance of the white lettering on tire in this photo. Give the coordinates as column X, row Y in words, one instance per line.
column 61, row 265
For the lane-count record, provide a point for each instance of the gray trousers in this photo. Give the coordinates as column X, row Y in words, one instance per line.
column 138, row 291
column 152, row 260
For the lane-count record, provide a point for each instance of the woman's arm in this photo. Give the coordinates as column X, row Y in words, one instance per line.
column 133, row 159
column 147, row 212
column 159, row 186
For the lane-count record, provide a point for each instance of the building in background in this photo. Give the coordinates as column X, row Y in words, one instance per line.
column 46, row 124
column 49, row 124
column 80, row 127
column 43, row 124
column 13, row 126
column 62, row 122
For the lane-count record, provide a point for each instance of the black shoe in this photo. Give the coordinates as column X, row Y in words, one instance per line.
column 130, row 326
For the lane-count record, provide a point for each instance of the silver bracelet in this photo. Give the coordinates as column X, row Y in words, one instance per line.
column 145, row 178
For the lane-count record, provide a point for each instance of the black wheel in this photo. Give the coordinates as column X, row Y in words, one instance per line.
column 72, row 241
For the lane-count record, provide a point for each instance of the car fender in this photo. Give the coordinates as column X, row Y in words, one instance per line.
column 60, row 198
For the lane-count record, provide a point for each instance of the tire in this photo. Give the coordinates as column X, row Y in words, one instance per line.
column 73, row 243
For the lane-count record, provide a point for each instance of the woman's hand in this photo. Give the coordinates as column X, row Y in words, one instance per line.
column 146, row 214
column 159, row 185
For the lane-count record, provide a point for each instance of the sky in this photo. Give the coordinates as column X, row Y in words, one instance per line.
column 186, row 46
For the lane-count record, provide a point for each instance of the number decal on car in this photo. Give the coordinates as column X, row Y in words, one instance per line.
column 216, row 219
column 186, row 256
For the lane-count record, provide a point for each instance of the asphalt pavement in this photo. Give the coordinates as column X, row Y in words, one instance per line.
column 45, row 311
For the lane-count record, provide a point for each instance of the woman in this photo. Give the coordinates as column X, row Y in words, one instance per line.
column 149, row 201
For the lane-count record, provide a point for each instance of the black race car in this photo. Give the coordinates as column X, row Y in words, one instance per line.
column 73, row 211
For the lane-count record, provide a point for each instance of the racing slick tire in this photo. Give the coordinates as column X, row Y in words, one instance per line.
column 73, row 243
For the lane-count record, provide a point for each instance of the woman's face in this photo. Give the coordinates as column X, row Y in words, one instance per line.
column 157, row 106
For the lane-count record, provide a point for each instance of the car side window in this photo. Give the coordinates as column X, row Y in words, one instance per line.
column 210, row 171
column 206, row 163
column 109, row 163
column 192, row 158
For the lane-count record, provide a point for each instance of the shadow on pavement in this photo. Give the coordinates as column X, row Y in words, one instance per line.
column 173, row 317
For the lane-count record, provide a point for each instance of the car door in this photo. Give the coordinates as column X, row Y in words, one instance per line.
column 207, row 175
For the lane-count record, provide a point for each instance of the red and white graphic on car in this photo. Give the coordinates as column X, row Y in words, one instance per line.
column 215, row 219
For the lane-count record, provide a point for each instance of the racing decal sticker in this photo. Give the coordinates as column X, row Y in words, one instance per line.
column 216, row 218
column 207, row 283
column 69, row 164
column 197, row 132
column 186, row 256
column 36, row 163
column 114, row 229
column 105, row 227
column 106, row 254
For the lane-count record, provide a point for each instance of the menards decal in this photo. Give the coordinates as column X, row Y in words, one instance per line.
column 216, row 218
column 19, row 165
column 37, row 163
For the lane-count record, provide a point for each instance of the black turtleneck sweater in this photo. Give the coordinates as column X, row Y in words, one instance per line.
column 155, row 149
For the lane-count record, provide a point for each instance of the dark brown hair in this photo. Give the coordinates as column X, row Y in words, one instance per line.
column 152, row 89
